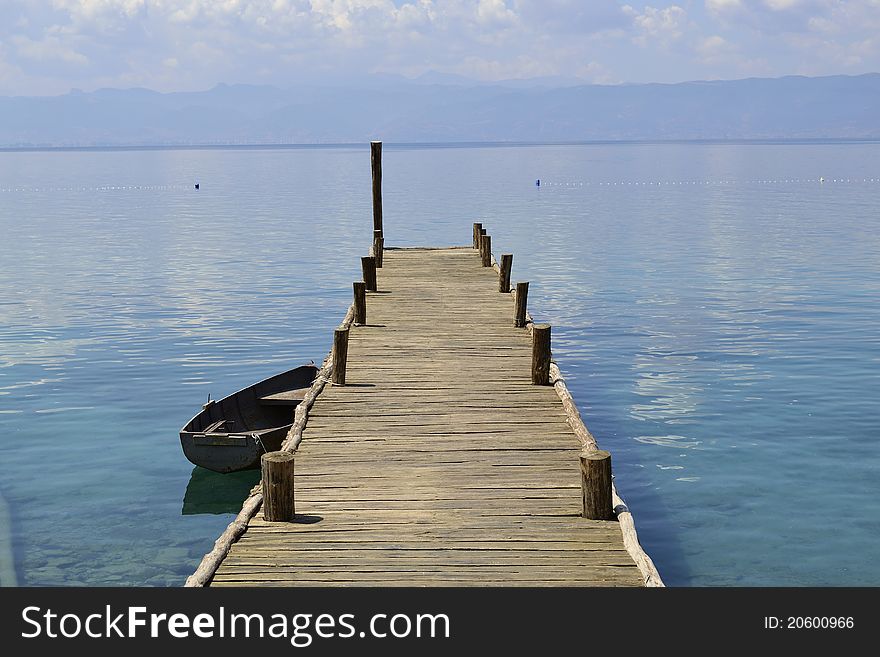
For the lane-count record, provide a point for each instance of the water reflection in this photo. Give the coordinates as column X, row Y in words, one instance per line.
column 677, row 442
column 216, row 493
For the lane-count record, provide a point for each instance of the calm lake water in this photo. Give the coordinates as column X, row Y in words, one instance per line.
column 714, row 310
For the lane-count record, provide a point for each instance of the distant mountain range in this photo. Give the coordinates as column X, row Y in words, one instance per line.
column 444, row 108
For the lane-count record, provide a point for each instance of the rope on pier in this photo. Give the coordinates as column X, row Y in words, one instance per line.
column 211, row 561
column 624, row 517
column 621, row 510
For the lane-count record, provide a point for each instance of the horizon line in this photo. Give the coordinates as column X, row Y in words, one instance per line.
column 763, row 141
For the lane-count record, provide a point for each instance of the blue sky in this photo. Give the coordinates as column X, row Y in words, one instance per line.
column 51, row 46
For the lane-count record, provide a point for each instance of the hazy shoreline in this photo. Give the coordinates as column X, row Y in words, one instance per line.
column 408, row 112
column 777, row 141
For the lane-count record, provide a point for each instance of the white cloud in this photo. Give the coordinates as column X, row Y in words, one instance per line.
column 48, row 49
column 10, row 74
column 661, row 21
column 658, row 25
column 100, row 16
column 573, row 16
column 495, row 12
column 782, row 5
column 56, row 44
column 712, row 45
column 93, row 8
column 720, row 6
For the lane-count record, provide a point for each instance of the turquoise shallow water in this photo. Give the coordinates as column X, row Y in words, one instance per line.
column 714, row 310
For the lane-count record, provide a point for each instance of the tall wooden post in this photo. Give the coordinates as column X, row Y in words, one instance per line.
column 277, row 476
column 519, row 311
column 478, row 230
column 596, row 484
column 368, row 266
column 340, row 355
column 360, row 302
column 486, row 250
column 376, row 166
column 504, row 275
column 378, row 246
column 541, row 354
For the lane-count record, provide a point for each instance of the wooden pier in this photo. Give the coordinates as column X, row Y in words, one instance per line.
column 432, row 458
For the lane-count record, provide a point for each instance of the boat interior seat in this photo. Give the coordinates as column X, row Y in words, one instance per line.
column 217, row 427
column 285, row 397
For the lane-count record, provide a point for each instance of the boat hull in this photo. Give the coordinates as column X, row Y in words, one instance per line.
column 232, row 433
column 225, row 452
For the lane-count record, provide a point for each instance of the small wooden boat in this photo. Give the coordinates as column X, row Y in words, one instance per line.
column 232, row 433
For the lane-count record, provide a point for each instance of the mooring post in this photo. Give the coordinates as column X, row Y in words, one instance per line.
column 541, row 354
column 504, row 274
column 519, row 309
column 340, row 355
column 376, row 166
column 596, row 484
column 277, row 477
column 360, row 302
column 368, row 265
column 477, row 232
column 378, row 246
column 486, row 250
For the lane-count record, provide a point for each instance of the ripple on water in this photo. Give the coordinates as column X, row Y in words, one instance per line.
column 688, row 317
column 678, row 442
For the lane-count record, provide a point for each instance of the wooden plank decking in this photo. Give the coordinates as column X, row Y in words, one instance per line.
column 438, row 463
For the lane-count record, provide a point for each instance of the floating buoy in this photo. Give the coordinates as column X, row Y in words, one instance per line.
column 197, row 185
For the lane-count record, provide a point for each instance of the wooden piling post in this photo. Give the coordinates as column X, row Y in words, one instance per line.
column 486, row 250
column 519, row 311
column 596, row 484
column 277, row 476
column 378, row 247
column 376, row 166
column 541, row 354
column 360, row 302
column 340, row 355
column 368, row 266
column 478, row 228
column 504, row 274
